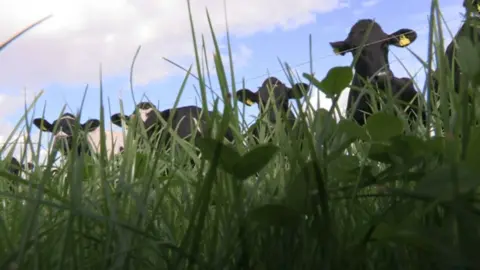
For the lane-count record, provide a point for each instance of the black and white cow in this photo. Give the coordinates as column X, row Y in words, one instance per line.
column 278, row 96
column 63, row 134
column 14, row 167
column 184, row 121
column 468, row 30
column 373, row 66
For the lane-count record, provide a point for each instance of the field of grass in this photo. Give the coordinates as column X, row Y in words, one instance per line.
column 330, row 196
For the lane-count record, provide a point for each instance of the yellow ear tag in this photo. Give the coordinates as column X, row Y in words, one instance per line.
column 336, row 51
column 403, row 41
column 43, row 127
column 249, row 102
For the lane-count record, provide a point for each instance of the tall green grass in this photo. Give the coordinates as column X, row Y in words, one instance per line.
column 331, row 196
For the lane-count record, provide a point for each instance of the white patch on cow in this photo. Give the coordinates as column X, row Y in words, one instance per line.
column 113, row 141
column 144, row 113
column 382, row 73
column 61, row 135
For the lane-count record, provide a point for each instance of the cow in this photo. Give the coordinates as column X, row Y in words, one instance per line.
column 14, row 167
column 114, row 143
column 63, row 134
column 280, row 96
column 184, row 121
column 466, row 30
column 373, row 65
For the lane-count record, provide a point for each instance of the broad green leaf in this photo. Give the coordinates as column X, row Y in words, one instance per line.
column 336, row 80
column 400, row 149
column 324, row 123
column 342, row 166
column 357, row 178
column 352, row 129
column 275, row 215
column 408, row 146
column 301, row 189
column 467, row 57
column 473, row 149
column 228, row 155
column 438, row 184
column 254, row 161
column 382, row 126
column 380, row 152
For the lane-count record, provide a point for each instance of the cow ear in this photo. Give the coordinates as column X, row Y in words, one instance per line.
column 117, row 119
column 91, row 125
column 402, row 37
column 340, row 47
column 298, row 91
column 43, row 124
column 246, row 96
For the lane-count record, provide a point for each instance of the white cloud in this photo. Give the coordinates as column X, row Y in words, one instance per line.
column 240, row 59
column 10, row 104
column 364, row 6
column 20, row 145
column 69, row 47
column 16, row 139
column 451, row 20
column 370, row 3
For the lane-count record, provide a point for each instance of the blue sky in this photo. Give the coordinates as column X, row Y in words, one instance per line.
column 62, row 64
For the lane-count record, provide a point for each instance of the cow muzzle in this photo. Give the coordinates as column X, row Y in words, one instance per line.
column 63, row 142
column 382, row 77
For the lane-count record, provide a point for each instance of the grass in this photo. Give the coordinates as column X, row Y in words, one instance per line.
column 379, row 197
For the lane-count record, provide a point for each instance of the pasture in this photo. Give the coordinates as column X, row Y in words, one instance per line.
column 389, row 194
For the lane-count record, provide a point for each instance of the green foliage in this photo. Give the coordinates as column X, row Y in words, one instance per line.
column 336, row 80
column 382, row 126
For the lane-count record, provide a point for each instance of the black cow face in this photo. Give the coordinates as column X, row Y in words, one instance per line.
column 280, row 94
column 373, row 59
column 146, row 111
column 63, row 128
column 148, row 116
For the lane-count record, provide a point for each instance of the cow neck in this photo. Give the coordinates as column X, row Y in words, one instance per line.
column 359, row 80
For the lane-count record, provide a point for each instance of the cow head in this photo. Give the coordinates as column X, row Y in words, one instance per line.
column 280, row 95
column 14, row 167
column 63, row 129
column 148, row 116
column 372, row 62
